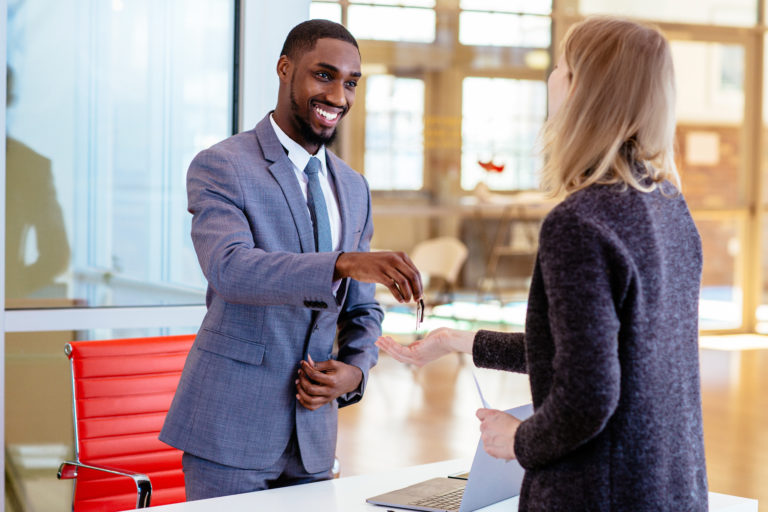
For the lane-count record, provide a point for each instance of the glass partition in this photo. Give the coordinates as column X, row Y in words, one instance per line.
column 110, row 102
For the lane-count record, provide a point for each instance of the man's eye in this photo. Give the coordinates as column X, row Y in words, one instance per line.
column 352, row 83
column 323, row 75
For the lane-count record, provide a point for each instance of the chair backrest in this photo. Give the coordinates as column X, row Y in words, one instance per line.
column 122, row 390
column 440, row 257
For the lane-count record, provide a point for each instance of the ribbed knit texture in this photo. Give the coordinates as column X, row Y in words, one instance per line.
column 611, row 349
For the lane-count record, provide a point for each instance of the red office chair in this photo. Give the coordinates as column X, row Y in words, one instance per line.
column 121, row 393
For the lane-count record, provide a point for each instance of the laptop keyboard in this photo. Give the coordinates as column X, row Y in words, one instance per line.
column 448, row 501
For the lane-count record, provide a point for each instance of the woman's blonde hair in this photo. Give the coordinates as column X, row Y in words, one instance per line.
column 618, row 123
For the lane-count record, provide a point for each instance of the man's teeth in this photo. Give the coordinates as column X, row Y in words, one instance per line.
column 329, row 116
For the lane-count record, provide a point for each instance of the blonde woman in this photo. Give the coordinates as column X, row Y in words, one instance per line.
column 611, row 335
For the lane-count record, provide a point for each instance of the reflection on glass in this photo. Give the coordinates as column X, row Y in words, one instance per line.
column 713, row 12
column 721, row 293
column 501, row 119
column 325, row 11
column 38, row 418
column 394, row 132
column 392, row 23
column 36, row 245
column 517, row 6
column 494, row 29
column 138, row 92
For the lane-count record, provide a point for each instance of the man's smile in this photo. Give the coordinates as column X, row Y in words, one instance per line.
column 327, row 115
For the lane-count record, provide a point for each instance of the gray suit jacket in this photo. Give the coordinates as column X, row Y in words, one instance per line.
column 270, row 302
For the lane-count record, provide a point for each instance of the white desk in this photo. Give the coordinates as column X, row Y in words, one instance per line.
column 349, row 494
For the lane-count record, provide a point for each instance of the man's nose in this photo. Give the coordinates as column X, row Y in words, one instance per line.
column 336, row 95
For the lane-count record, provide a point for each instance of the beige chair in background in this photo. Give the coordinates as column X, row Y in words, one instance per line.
column 440, row 260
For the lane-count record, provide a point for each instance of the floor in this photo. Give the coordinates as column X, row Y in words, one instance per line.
column 417, row 416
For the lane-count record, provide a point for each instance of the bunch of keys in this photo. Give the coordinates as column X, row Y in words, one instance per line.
column 419, row 313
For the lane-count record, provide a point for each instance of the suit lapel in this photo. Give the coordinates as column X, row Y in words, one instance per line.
column 282, row 170
column 343, row 195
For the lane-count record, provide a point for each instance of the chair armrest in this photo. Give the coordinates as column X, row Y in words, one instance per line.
column 68, row 470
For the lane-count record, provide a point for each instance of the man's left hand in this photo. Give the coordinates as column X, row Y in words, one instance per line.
column 321, row 382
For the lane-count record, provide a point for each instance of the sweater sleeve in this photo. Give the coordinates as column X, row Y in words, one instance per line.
column 499, row 351
column 581, row 268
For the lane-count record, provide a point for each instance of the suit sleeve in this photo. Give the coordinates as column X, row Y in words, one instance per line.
column 360, row 319
column 237, row 270
column 578, row 264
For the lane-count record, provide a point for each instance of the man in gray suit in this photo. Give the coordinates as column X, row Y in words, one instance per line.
column 282, row 229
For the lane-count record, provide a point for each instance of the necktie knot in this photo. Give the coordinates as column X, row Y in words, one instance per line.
column 313, row 166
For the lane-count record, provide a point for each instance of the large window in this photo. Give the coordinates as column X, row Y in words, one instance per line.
column 326, row 11
column 385, row 20
column 394, row 127
column 110, row 102
column 484, row 78
column 408, row 20
column 506, row 23
column 501, row 119
column 711, row 12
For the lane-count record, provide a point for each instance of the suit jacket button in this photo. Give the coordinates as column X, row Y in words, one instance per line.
column 308, row 303
column 322, row 305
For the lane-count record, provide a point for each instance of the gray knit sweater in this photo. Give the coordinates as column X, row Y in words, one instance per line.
column 611, row 349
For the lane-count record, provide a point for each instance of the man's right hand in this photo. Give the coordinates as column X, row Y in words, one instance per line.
column 395, row 270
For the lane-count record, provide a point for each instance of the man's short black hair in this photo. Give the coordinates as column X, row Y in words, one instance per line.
column 302, row 37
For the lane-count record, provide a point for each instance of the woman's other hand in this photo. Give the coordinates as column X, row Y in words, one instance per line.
column 497, row 430
column 435, row 344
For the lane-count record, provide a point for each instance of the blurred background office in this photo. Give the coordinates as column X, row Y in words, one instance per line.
column 107, row 102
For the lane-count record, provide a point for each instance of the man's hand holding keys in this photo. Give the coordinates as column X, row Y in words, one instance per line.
column 395, row 270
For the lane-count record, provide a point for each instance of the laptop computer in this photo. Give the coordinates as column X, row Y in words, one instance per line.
column 490, row 480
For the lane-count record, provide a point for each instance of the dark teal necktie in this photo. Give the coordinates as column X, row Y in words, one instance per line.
column 317, row 208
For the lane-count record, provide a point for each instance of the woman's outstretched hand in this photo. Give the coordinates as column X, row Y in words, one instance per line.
column 435, row 344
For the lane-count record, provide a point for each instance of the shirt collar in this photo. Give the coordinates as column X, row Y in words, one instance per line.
column 297, row 154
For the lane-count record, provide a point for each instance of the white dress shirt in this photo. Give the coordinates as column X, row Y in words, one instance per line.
column 300, row 157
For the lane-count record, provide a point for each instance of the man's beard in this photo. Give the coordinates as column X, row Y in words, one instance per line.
column 308, row 134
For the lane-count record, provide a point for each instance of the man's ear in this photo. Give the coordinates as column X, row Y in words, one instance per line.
column 284, row 68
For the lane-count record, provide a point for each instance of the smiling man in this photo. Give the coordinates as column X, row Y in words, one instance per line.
column 282, row 230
